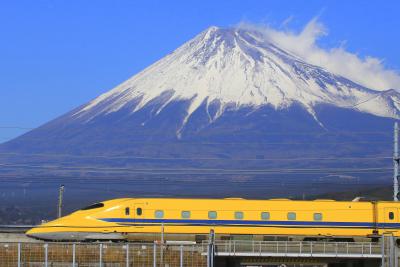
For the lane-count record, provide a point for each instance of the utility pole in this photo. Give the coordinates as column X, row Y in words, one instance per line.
column 396, row 163
column 60, row 201
column 211, row 249
column 162, row 244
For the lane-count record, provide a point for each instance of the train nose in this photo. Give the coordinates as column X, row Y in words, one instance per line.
column 31, row 232
column 47, row 231
column 38, row 233
column 34, row 233
column 49, row 234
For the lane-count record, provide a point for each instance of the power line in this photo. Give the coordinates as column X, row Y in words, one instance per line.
column 145, row 143
column 233, row 144
column 182, row 176
column 350, row 106
column 284, row 133
column 192, row 158
column 183, row 183
column 323, row 132
column 204, row 143
column 370, row 99
column 16, row 127
column 178, row 169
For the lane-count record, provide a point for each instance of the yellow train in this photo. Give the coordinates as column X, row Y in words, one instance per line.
column 183, row 219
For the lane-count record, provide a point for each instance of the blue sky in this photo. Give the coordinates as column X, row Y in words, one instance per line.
column 56, row 55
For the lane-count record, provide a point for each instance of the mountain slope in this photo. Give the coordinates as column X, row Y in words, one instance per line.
column 233, row 67
column 226, row 100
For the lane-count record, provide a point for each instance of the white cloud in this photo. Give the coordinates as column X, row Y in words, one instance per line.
column 368, row 71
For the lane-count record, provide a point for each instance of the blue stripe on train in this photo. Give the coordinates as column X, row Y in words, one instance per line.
column 246, row 222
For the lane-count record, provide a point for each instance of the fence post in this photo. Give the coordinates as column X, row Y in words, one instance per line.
column 162, row 245
column 45, row 255
column 208, row 256
column 154, row 255
column 393, row 258
column 73, row 255
column 127, row 255
column 336, row 248
column 181, row 255
column 383, row 250
column 395, row 254
column 101, row 255
column 19, row 254
column 286, row 248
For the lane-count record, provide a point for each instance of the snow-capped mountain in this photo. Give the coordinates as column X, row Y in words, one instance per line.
column 238, row 68
column 227, row 99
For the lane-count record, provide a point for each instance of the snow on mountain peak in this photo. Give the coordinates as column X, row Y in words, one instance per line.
column 238, row 67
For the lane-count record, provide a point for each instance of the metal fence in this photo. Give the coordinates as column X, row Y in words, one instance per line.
column 297, row 249
column 100, row 255
column 174, row 255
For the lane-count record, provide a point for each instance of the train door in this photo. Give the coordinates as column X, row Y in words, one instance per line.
column 391, row 216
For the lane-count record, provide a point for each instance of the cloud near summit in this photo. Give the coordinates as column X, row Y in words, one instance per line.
column 368, row 71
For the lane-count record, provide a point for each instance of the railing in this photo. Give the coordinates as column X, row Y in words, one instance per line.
column 100, row 254
column 156, row 254
column 296, row 249
column 15, row 228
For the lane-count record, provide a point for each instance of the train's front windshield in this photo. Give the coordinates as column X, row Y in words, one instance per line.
column 94, row 206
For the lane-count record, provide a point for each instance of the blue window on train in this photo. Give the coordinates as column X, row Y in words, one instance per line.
column 391, row 215
column 185, row 214
column 212, row 215
column 317, row 216
column 239, row 215
column 159, row 214
column 265, row 216
column 139, row 211
column 127, row 211
column 291, row 216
